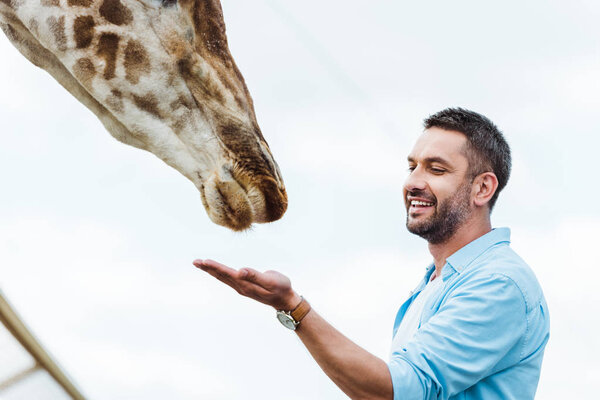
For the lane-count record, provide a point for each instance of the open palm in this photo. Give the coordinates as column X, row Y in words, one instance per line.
column 270, row 287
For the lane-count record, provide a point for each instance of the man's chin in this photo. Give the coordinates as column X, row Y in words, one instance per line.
column 418, row 228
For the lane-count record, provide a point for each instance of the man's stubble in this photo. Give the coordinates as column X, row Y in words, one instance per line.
column 448, row 216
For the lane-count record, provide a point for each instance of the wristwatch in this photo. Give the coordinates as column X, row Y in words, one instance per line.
column 291, row 319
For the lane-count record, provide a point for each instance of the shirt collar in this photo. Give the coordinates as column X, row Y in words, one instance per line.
column 463, row 257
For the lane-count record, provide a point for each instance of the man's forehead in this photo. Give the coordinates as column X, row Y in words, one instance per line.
column 439, row 143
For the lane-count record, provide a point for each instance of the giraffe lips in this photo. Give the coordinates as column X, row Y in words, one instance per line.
column 238, row 205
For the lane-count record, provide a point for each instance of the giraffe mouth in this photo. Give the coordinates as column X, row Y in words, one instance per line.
column 238, row 201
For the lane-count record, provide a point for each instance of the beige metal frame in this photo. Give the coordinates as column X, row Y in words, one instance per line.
column 43, row 360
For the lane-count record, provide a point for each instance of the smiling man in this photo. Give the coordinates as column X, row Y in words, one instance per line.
column 477, row 325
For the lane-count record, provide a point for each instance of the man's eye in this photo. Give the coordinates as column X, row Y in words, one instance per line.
column 411, row 169
column 438, row 170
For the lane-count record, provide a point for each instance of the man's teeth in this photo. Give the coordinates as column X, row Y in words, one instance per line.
column 420, row 203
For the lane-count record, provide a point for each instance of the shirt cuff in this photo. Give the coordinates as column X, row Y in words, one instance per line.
column 407, row 380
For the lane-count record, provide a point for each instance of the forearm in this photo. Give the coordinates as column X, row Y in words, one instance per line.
column 358, row 373
column 354, row 370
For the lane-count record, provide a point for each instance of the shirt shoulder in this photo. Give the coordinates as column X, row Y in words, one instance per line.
column 503, row 262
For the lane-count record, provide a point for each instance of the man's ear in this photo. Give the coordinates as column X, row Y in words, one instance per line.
column 484, row 187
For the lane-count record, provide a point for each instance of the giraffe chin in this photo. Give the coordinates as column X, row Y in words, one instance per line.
column 237, row 206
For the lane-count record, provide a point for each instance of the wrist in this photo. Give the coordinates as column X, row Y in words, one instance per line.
column 291, row 318
column 291, row 302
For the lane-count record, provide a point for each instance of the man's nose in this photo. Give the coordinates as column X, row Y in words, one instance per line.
column 415, row 181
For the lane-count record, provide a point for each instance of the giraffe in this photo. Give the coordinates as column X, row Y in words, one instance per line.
column 160, row 77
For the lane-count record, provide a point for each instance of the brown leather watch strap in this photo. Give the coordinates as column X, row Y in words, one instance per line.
column 301, row 310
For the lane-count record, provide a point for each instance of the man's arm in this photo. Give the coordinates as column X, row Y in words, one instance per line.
column 357, row 372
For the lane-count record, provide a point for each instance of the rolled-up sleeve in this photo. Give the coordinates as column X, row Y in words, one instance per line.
column 476, row 332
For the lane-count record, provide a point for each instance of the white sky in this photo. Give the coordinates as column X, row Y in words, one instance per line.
column 97, row 238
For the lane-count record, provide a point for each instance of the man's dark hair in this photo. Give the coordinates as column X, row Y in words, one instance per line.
column 486, row 150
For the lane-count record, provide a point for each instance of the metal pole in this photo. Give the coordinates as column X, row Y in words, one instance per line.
column 17, row 328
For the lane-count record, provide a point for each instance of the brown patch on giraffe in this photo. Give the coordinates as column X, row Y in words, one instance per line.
column 201, row 87
column 181, row 102
column 108, row 46
column 80, row 3
column 233, row 89
column 147, row 103
column 245, row 148
column 183, row 108
column 10, row 32
column 50, row 3
column 33, row 27
column 115, row 12
column 57, row 27
column 211, row 43
column 208, row 21
column 83, row 27
column 136, row 61
column 182, row 121
column 84, row 70
column 115, row 100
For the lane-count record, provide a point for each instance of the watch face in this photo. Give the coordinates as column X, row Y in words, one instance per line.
column 286, row 320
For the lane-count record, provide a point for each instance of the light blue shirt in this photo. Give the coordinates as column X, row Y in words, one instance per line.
column 482, row 336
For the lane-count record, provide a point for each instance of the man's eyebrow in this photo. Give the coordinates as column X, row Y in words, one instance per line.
column 431, row 160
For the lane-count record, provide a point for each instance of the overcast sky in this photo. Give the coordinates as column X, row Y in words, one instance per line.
column 97, row 238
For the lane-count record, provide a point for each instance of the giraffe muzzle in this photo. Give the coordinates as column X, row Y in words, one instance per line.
column 237, row 202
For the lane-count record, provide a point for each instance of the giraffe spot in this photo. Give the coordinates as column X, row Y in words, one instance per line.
column 203, row 87
column 115, row 12
column 136, row 62
column 84, row 70
column 51, row 3
column 80, row 3
column 57, row 27
column 243, row 144
column 208, row 21
column 181, row 102
column 108, row 45
column 33, row 26
column 84, row 31
column 182, row 121
column 147, row 103
column 9, row 31
column 229, row 84
column 14, row 4
column 115, row 100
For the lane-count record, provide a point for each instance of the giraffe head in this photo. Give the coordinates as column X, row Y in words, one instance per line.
column 160, row 76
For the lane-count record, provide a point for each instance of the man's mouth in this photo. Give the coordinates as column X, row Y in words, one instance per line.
column 417, row 203
column 418, row 207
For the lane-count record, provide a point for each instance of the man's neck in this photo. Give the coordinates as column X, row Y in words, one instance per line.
column 469, row 231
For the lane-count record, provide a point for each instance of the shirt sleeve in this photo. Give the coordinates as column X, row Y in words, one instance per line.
column 474, row 334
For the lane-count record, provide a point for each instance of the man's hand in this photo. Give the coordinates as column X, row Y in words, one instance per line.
column 358, row 373
column 271, row 287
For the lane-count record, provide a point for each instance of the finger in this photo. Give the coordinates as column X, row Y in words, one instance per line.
column 220, row 271
column 211, row 265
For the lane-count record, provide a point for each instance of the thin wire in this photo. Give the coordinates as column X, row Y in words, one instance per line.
column 320, row 52
column 335, row 69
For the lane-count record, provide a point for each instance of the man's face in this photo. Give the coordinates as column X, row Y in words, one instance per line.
column 437, row 193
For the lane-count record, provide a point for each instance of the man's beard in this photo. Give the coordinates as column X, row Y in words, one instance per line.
column 447, row 217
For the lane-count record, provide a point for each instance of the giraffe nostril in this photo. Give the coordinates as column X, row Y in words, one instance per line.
column 168, row 3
